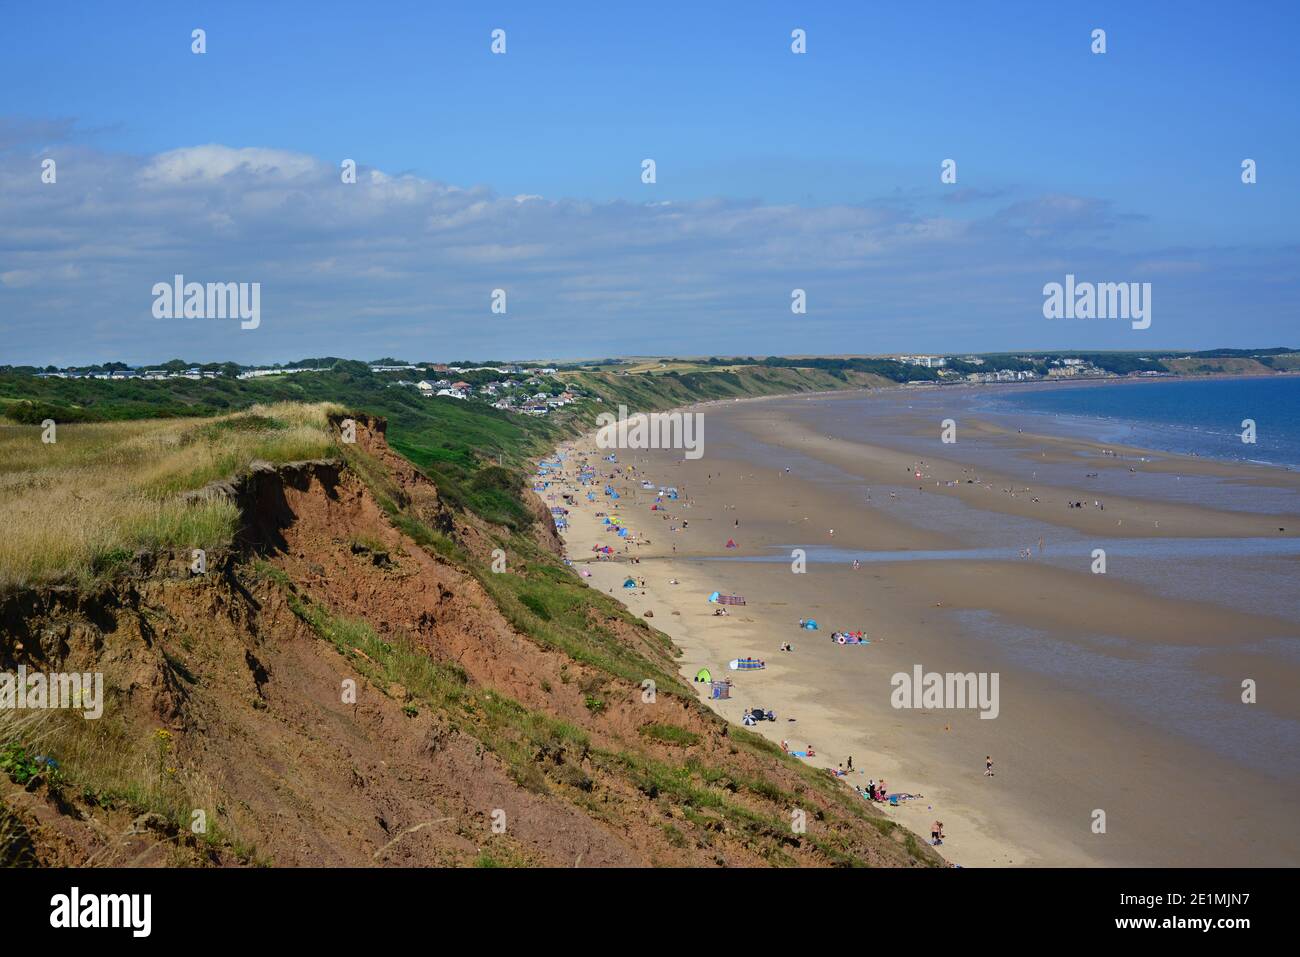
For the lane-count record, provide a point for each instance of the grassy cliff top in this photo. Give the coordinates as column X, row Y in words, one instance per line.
column 99, row 492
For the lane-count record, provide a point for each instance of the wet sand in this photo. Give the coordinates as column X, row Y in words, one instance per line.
column 1113, row 695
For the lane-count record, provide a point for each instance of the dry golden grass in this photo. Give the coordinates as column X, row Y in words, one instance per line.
column 75, row 507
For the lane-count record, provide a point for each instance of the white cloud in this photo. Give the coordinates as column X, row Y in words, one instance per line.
column 213, row 162
column 419, row 258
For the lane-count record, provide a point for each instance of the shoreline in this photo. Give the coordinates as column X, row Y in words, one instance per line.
column 941, row 757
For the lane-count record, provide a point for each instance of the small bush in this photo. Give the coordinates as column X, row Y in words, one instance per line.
column 669, row 734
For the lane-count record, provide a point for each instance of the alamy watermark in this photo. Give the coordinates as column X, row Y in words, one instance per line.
column 934, row 691
column 214, row 300
column 1103, row 300
column 654, row 430
column 74, row 909
column 36, row 691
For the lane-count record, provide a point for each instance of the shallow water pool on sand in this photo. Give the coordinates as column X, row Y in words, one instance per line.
column 1253, row 575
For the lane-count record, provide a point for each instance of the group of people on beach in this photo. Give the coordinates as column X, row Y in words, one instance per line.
column 874, row 791
column 808, row 750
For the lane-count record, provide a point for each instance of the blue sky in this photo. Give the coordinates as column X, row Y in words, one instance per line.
column 775, row 171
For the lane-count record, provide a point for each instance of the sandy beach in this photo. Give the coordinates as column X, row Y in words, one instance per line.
column 1119, row 692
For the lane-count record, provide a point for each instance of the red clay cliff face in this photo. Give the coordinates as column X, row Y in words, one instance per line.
column 291, row 773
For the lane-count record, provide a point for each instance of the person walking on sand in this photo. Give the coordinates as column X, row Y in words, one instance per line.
column 988, row 765
column 936, row 833
column 850, row 762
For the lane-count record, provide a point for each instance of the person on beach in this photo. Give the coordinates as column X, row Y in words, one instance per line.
column 988, row 765
column 850, row 762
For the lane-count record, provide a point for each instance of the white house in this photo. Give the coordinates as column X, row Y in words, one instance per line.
column 929, row 362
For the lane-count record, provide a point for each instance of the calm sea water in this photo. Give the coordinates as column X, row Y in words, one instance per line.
column 1201, row 417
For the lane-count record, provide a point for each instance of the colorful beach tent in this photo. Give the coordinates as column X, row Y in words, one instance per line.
column 703, row 675
column 731, row 543
column 630, row 583
column 746, row 664
column 811, row 624
column 720, row 689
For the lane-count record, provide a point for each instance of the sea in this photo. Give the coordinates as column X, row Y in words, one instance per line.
column 1203, row 417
